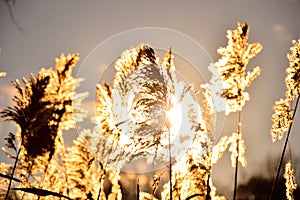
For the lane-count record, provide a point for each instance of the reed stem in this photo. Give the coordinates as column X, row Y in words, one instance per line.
column 283, row 150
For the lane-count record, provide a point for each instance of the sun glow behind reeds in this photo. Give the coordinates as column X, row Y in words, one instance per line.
column 149, row 117
column 144, row 105
column 174, row 116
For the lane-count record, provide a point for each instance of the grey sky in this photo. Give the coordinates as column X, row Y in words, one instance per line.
column 56, row 26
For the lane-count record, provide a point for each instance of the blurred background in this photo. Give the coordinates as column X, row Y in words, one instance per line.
column 42, row 30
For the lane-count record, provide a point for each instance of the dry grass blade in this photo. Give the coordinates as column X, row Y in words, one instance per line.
column 41, row 192
column 9, row 177
column 194, row 195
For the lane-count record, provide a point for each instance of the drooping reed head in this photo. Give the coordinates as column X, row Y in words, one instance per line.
column 43, row 106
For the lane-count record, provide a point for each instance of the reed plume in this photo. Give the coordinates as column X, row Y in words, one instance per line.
column 132, row 113
column 290, row 182
column 284, row 114
column 228, row 88
column 44, row 106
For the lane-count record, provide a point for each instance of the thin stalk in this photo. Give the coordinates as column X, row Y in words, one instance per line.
column 290, row 151
column 284, row 149
column 102, row 176
column 138, row 190
column 12, row 175
column 237, row 157
column 169, row 131
column 170, row 165
column 208, row 189
column 100, row 190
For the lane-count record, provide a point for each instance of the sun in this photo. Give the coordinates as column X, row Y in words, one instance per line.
column 174, row 116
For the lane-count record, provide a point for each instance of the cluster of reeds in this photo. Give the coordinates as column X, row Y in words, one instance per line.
column 133, row 120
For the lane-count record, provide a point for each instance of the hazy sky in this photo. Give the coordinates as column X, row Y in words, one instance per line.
column 52, row 27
